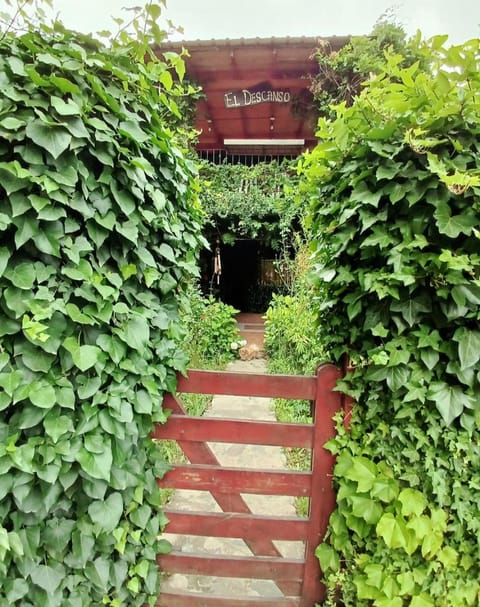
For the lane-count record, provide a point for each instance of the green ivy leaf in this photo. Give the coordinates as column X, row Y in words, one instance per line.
column 54, row 139
column 64, row 85
column 328, row 557
column 10, row 381
column 167, row 283
column 450, row 400
column 96, row 465
column 98, row 572
column 77, row 316
column 107, row 513
column 166, row 251
column 113, row 346
column 83, row 546
column 385, row 489
column 17, row 591
column 57, row 426
column 397, row 377
column 129, row 230
column 4, row 257
column 35, row 359
column 430, row 357
column 413, row 502
column 133, row 131
column 84, row 357
column 135, row 332
column 422, row 600
column 468, row 347
column 58, row 533
column 392, row 531
column 88, row 386
column 364, row 472
column 47, row 578
column 65, row 108
column 454, row 225
column 30, row 416
column 12, row 124
column 141, row 516
column 164, row 547
column 366, row 508
column 124, row 199
column 42, row 394
column 21, row 275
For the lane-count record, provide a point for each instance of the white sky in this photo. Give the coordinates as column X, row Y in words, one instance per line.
column 205, row 19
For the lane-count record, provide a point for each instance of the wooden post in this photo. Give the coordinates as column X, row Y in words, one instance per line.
column 322, row 500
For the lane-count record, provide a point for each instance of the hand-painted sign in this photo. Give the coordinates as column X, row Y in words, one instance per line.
column 247, row 97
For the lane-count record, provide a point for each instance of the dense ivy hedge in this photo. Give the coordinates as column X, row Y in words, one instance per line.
column 395, row 184
column 99, row 231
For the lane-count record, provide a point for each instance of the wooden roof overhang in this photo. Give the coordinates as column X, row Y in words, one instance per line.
column 256, row 92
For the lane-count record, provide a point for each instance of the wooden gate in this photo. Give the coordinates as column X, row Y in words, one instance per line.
column 298, row 579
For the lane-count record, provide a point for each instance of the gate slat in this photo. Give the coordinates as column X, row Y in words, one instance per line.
column 191, row 599
column 201, row 453
column 198, row 429
column 236, row 525
column 248, row 384
column 237, row 480
column 256, row 567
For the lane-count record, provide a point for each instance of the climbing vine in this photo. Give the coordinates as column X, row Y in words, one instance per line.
column 342, row 73
column 395, row 185
column 257, row 202
column 99, row 225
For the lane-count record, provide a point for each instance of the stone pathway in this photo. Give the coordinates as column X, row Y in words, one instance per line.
column 247, row 456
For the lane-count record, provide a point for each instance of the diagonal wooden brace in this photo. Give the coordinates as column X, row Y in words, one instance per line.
column 201, row 453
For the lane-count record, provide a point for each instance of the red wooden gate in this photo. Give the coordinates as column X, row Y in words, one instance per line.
column 298, row 579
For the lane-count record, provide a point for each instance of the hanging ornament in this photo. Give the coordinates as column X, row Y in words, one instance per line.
column 217, row 263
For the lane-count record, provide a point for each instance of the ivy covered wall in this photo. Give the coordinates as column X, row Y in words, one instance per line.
column 100, row 228
column 395, row 189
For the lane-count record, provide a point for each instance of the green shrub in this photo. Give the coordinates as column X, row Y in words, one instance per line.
column 100, row 227
column 211, row 330
column 291, row 340
column 294, row 348
column 395, row 188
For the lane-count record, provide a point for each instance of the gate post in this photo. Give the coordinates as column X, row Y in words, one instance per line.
column 322, row 500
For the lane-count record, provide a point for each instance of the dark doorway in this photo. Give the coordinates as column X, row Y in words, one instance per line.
column 248, row 277
column 240, row 265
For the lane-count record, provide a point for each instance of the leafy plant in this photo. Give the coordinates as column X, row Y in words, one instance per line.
column 211, row 330
column 100, row 227
column 395, row 184
column 293, row 346
column 342, row 73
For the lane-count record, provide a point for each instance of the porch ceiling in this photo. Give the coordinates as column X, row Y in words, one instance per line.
column 225, row 69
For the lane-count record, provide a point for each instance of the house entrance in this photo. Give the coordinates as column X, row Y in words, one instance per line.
column 248, row 276
column 240, row 273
